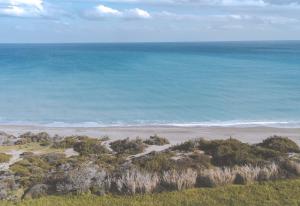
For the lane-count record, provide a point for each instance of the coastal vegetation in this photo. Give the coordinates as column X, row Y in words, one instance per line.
column 156, row 140
column 128, row 146
column 90, row 167
column 277, row 193
column 4, row 157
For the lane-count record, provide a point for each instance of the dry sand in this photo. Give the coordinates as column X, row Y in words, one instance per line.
column 174, row 134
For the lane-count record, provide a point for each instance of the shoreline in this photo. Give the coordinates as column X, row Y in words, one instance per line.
column 175, row 134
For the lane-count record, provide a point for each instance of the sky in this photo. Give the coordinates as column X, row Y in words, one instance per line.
column 58, row 21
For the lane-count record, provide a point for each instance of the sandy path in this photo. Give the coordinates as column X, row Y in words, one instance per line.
column 152, row 148
column 15, row 158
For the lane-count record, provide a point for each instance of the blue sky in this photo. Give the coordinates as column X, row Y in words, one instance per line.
column 148, row 20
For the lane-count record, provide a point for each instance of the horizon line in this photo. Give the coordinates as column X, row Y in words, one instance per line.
column 152, row 42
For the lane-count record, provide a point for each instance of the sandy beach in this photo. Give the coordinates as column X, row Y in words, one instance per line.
column 174, row 134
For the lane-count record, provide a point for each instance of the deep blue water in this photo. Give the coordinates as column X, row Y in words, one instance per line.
column 150, row 83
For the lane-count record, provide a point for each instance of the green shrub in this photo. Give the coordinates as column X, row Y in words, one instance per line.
column 187, row 146
column 43, row 138
column 227, row 152
column 195, row 160
column 30, row 165
column 165, row 161
column 155, row 161
column 20, row 170
column 4, row 157
column 53, row 159
column 281, row 144
column 266, row 154
column 291, row 167
column 90, row 146
column 232, row 152
column 156, row 140
column 110, row 162
column 66, row 143
column 127, row 146
column 31, row 170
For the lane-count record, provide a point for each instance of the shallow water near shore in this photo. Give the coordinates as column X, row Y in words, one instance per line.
column 225, row 83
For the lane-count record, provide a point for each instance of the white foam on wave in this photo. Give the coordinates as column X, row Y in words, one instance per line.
column 276, row 124
column 239, row 124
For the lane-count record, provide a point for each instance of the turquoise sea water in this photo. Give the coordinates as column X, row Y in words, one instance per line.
column 150, row 83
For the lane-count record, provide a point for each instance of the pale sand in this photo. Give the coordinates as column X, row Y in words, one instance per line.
column 174, row 134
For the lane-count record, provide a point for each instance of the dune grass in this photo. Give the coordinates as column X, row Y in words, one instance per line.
column 277, row 193
column 30, row 147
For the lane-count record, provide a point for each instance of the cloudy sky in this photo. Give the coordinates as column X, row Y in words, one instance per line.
column 148, row 20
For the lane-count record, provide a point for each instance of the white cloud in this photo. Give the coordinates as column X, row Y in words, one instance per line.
column 137, row 13
column 243, row 3
column 233, row 20
column 21, row 8
column 256, row 19
column 13, row 11
column 34, row 3
column 101, row 11
column 232, row 3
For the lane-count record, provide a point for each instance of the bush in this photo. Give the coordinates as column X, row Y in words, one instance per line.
column 266, row 154
column 292, row 168
column 232, row 152
column 31, row 170
column 20, row 170
column 90, row 146
column 53, row 158
column 43, row 138
column 109, row 161
column 228, row 152
column 77, row 181
column 281, row 144
column 164, row 161
column 195, row 160
column 129, row 147
column 37, row 191
column 100, row 184
column 6, row 139
column 188, row 146
column 4, row 157
column 156, row 140
column 155, row 162
column 8, row 186
column 66, row 143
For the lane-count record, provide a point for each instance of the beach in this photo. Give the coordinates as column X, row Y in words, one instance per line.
column 175, row 134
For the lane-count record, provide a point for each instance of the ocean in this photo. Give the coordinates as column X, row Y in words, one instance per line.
column 120, row 84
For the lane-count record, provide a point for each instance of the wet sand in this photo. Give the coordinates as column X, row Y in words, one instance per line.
column 174, row 134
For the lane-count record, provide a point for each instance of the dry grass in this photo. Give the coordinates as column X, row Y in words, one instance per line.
column 216, row 177
column 135, row 181
column 276, row 193
column 240, row 175
column 179, row 180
